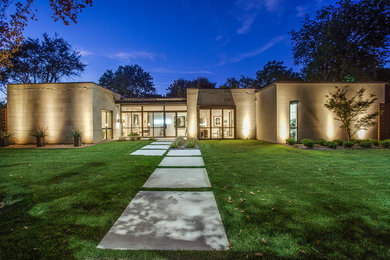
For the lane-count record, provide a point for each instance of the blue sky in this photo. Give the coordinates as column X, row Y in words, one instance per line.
column 180, row 38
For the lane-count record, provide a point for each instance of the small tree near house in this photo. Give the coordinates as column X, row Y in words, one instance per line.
column 351, row 110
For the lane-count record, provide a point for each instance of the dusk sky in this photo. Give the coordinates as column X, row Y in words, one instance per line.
column 180, row 38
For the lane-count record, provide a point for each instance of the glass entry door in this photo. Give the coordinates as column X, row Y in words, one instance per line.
column 216, row 123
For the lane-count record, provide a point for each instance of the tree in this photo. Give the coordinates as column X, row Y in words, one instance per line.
column 350, row 38
column 202, row 82
column 179, row 87
column 231, row 83
column 129, row 81
column 14, row 16
column 352, row 112
column 273, row 71
column 243, row 82
column 46, row 61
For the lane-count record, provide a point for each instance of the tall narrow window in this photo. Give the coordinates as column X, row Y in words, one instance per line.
column 106, row 124
column 294, row 120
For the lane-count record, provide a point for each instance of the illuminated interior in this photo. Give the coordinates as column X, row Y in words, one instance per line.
column 154, row 121
column 216, row 123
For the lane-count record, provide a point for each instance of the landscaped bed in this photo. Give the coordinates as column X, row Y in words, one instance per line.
column 275, row 201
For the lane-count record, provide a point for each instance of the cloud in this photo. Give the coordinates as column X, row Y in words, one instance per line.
column 133, row 55
column 168, row 71
column 246, row 23
column 250, row 10
column 85, row 53
column 253, row 53
column 301, row 11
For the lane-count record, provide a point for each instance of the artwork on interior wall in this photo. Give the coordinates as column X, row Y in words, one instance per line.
column 135, row 119
column 181, row 121
column 217, row 121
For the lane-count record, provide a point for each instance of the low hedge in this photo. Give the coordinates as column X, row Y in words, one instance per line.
column 365, row 143
column 348, row 144
column 290, row 141
column 332, row 144
column 309, row 143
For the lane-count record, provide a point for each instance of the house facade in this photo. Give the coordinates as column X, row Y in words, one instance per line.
column 274, row 113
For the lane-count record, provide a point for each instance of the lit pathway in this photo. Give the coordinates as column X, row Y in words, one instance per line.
column 171, row 220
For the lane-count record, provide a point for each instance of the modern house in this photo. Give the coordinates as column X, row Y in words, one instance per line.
column 274, row 113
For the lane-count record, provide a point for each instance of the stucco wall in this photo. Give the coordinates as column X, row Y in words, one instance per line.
column 266, row 114
column 105, row 99
column 244, row 100
column 314, row 120
column 58, row 107
column 192, row 112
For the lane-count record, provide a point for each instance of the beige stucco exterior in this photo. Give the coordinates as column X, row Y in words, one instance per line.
column 242, row 100
column 314, row 120
column 61, row 108
column 261, row 114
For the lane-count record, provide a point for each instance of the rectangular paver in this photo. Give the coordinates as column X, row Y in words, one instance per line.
column 182, row 162
column 168, row 220
column 156, row 147
column 178, row 178
column 184, row 152
column 162, row 142
column 149, row 152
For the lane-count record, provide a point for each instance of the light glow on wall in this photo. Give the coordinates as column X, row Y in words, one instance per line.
column 330, row 127
column 283, row 130
column 246, row 127
column 361, row 134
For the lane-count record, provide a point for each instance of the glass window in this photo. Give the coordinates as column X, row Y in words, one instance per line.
column 204, row 118
column 294, row 120
column 106, row 124
column 228, row 118
column 216, row 123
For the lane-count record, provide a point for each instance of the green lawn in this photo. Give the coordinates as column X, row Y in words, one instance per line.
column 305, row 204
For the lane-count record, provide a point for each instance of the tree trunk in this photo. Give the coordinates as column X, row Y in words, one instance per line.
column 40, row 141
column 4, row 142
column 77, row 141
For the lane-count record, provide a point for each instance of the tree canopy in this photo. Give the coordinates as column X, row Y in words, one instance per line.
column 129, row 81
column 178, row 87
column 348, row 39
column 243, row 82
column 43, row 61
column 273, row 71
column 14, row 16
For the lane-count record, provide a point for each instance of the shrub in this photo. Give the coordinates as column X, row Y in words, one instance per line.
column 385, row 143
column 308, row 143
column 356, row 141
column 191, row 143
column 138, row 137
column 39, row 132
column 332, row 144
column 152, row 139
column 322, row 142
column 374, row 142
column 133, row 134
column 365, row 143
column 77, row 133
column 174, row 145
column 348, row 144
column 5, row 134
column 290, row 141
column 339, row 141
column 179, row 141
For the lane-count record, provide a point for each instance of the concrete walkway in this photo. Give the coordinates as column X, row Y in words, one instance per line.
column 171, row 220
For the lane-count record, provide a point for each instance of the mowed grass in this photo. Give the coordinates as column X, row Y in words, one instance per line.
column 287, row 203
column 305, row 204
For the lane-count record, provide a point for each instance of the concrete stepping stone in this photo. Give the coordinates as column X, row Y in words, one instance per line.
column 182, row 162
column 166, row 143
column 149, row 152
column 178, row 178
column 168, row 220
column 156, row 147
column 184, row 152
